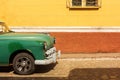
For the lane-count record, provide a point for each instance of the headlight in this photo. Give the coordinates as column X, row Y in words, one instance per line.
column 45, row 45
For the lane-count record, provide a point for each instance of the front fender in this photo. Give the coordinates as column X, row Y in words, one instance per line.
column 34, row 47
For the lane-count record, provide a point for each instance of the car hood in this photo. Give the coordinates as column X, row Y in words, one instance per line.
column 30, row 36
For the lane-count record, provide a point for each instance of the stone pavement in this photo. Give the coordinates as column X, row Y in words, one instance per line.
column 73, row 67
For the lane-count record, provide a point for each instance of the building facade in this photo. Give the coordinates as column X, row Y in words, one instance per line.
column 78, row 25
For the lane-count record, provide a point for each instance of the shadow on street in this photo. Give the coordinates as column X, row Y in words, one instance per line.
column 45, row 68
column 6, row 69
column 95, row 74
column 39, row 69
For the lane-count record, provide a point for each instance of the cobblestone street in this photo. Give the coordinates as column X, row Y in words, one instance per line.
column 79, row 68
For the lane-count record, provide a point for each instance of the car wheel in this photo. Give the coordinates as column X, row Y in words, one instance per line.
column 23, row 63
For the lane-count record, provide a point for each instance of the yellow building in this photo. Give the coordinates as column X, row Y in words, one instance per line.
column 96, row 22
column 60, row 13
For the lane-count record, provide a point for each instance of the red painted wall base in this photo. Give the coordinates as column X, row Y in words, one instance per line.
column 87, row 42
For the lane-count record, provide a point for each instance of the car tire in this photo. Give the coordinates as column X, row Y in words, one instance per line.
column 23, row 64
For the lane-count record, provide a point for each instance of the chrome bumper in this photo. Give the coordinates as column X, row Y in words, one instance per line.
column 51, row 58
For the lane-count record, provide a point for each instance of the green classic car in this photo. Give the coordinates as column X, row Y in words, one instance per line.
column 25, row 50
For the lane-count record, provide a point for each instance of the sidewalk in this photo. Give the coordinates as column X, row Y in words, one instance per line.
column 75, row 67
column 90, row 55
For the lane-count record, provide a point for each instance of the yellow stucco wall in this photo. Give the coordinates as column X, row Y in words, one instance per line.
column 55, row 13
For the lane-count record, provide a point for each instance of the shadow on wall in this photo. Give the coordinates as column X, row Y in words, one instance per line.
column 77, row 74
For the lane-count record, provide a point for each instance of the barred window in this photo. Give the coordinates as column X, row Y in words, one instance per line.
column 84, row 3
column 91, row 2
column 76, row 2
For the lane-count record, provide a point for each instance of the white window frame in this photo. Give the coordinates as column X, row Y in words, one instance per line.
column 69, row 4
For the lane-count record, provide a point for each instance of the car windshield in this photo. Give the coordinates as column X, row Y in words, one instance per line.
column 4, row 28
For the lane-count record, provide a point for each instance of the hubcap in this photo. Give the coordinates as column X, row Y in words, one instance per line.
column 23, row 64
